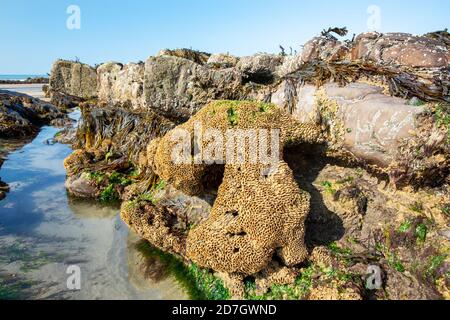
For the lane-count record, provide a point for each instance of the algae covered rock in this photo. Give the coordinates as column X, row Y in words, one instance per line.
column 259, row 208
column 22, row 115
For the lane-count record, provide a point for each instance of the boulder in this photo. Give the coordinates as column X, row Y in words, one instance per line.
column 371, row 125
column 325, row 49
column 81, row 186
column 401, row 49
column 121, row 84
column 177, row 88
column 74, row 79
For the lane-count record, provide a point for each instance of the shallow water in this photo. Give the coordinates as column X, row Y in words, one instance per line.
column 43, row 232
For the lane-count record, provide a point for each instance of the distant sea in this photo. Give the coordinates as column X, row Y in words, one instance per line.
column 20, row 77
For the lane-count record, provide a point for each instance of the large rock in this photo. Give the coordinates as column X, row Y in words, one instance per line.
column 259, row 68
column 365, row 122
column 74, row 79
column 401, row 49
column 390, row 135
column 325, row 49
column 177, row 88
column 121, row 84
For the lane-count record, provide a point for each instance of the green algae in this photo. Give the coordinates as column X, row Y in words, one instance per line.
column 199, row 284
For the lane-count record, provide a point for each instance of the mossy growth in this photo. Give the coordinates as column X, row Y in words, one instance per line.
column 110, row 182
column 109, row 194
column 442, row 118
column 446, row 210
column 302, row 286
column 297, row 291
column 199, row 284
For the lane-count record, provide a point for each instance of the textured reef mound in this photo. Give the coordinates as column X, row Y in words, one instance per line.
column 258, row 209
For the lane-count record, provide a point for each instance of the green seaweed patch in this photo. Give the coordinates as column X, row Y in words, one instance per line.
column 433, row 265
column 96, row 176
column 299, row 290
column 198, row 283
column 109, row 194
column 328, row 186
column 232, row 116
column 150, row 196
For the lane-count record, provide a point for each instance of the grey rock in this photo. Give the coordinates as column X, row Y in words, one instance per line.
column 74, row 79
column 121, row 84
column 177, row 88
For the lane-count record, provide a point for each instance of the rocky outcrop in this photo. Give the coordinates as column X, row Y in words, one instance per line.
column 72, row 81
column 351, row 115
column 259, row 68
column 22, row 115
column 223, row 61
column 400, row 49
column 177, row 88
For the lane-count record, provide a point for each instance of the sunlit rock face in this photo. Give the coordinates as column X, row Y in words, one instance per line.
column 121, row 84
column 74, row 79
column 177, row 87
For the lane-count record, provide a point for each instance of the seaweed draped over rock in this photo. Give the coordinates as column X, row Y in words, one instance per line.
column 120, row 131
column 257, row 211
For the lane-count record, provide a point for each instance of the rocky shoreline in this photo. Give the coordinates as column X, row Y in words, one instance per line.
column 21, row 117
column 363, row 178
column 38, row 80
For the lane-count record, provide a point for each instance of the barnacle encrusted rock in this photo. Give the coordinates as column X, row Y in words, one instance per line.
column 257, row 211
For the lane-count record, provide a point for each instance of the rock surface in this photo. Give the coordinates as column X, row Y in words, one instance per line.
column 22, row 115
column 178, row 88
column 74, row 79
column 376, row 193
column 121, row 84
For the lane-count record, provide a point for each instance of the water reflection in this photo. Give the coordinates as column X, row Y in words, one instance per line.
column 43, row 231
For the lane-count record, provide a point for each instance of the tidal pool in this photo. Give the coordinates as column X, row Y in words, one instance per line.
column 43, row 232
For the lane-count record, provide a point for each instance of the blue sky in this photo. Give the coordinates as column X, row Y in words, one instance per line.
column 34, row 33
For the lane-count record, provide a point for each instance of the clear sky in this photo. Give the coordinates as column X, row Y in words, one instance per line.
column 34, row 32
